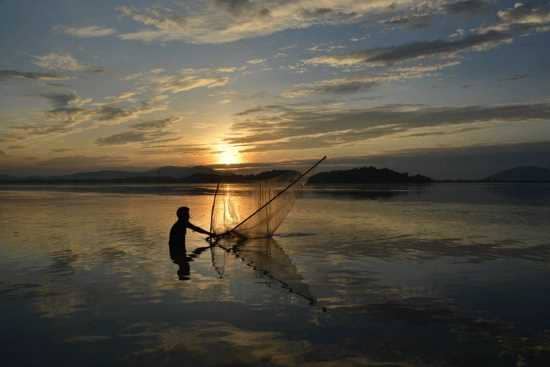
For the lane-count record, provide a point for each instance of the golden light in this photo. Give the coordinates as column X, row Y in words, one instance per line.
column 228, row 155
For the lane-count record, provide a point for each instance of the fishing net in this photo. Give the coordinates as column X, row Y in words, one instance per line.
column 270, row 262
column 256, row 209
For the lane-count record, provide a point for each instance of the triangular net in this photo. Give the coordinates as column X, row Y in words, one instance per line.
column 257, row 209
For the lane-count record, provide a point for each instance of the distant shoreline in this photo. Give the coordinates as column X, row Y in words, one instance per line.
column 184, row 182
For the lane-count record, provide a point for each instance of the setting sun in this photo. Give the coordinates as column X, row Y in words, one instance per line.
column 228, row 155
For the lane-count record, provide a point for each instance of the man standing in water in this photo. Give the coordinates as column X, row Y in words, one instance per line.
column 178, row 251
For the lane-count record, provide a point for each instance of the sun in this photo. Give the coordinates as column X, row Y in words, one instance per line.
column 227, row 154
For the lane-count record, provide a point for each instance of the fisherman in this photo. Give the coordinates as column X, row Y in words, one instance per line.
column 178, row 251
column 179, row 229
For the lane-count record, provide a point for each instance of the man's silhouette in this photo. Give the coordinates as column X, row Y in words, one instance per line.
column 178, row 251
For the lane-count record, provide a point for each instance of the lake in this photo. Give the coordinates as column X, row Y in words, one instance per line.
column 436, row 275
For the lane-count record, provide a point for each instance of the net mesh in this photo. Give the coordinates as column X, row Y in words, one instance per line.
column 256, row 210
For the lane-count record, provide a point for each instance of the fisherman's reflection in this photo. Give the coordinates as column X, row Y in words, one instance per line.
column 179, row 256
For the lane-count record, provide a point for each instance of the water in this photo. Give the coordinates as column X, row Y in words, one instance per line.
column 441, row 275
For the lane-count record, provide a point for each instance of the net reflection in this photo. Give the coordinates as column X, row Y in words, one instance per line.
column 268, row 260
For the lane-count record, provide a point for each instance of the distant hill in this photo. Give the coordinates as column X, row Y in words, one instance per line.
column 166, row 172
column 169, row 174
column 366, row 175
column 6, row 178
column 179, row 172
column 521, row 174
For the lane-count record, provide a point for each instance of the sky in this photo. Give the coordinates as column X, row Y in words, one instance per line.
column 446, row 88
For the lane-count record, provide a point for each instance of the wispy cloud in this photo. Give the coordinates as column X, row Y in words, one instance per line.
column 525, row 16
column 221, row 21
column 29, row 75
column 63, row 62
column 415, row 50
column 255, row 61
column 161, row 82
column 279, row 127
column 86, row 32
column 143, row 132
column 510, row 23
column 184, row 83
column 465, row 6
column 69, row 112
column 356, row 84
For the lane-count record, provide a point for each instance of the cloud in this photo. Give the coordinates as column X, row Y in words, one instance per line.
column 411, row 20
column 60, row 150
column 365, row 83
column 415, row 50
column 222, row 21
column 165, row 149
column 162, row 83
column 69, row 112
column 2, row 153
column 525, row 17
column 63, row 62
column 183, row 83
column 280, row 127
column 29, row 75
column 516, row 77
column 517, row 20
column 255, row 61
column 123, row 138
column 465, row 6
column 143, row 132
column 422, row 14
column 87, row 32
column 16, row 146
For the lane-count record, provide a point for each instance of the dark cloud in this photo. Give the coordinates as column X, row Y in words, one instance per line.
column 235, row 7
column 30, row 75
column 283, row 127
column 16, row 147
column 421, row 15
column 155, row 124
column 123, row 138
column 176, row 149
column 516, row 77
column 465, row 6
column 143, row 132
column 414, row 50
column 410, row 20
column 61, row 100
column 61, row 150
column 69, row 111
column 365, row 83
column 525, row 16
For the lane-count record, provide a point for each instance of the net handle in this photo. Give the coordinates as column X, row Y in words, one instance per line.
column 278, row 194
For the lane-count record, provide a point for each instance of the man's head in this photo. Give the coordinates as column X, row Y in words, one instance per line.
column 183, row 212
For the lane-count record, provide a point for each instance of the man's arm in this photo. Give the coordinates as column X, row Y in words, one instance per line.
column 197, row 229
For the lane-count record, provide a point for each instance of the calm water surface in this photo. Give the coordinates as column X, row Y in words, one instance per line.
column 442, row 275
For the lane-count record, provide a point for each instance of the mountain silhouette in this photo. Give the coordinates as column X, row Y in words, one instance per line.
column 366, row 175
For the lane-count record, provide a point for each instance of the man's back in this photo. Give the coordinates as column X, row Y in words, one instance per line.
column 177, row 234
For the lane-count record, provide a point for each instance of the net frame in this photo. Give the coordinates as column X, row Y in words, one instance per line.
column 274, row 200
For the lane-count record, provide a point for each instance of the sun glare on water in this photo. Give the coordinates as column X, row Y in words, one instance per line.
column 228, row 155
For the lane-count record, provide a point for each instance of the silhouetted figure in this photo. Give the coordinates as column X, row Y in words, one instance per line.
column 178, row 251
